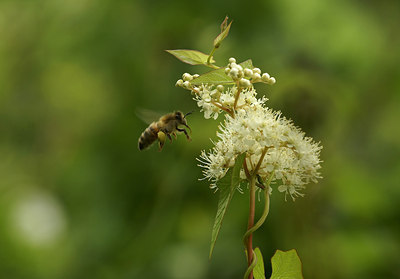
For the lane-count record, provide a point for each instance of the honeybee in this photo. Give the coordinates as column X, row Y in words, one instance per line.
column 165, row 126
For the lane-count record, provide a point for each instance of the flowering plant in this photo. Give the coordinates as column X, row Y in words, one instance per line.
column 256, row 145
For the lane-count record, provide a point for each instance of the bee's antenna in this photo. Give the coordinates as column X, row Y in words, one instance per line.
column 190, row 112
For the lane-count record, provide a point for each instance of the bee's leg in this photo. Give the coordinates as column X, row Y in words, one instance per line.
column 184, row 130
column 174, row 134
column 161, row 140
column 160, row 144
column 188, row 128
column 169, row 136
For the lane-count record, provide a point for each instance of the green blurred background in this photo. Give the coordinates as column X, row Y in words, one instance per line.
column 77, row 198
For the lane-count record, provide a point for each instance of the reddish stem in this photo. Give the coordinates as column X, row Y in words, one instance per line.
column 250, row 224
column 239, row 89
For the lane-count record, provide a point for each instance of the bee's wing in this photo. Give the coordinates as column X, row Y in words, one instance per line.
column 148, row 116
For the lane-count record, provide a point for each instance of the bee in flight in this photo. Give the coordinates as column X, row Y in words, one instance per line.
column 165, row 126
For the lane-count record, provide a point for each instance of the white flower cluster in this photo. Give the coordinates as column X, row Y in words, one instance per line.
column 250, row 127
column 292, row 157
column 211, row 99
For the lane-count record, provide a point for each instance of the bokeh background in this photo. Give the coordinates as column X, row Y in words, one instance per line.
column 77, row 198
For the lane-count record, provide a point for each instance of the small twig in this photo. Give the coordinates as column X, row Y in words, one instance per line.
column 246, row 169
column 260, row 161
column 251, row 163
column 210, row 55
column 218, row 105
column 239, row 89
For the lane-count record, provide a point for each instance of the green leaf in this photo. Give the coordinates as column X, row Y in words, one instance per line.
column 286, row 265
column 213, row 77
column 192, row 57
column 227, row 187
column 224, row 33
column 258, row 271
column 247, row 64
column 219, row 76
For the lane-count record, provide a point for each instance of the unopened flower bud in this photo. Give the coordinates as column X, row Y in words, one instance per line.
column 232, row 60
column 220, row 88
column 256, row 76
column 257, row 70
column 248, row 72
column 186, row 85
column 227, row 70
column 187, row 77
column 179, row 83
column 265, row 77
column 272, row 80
column 244, row 83
column 234, row 72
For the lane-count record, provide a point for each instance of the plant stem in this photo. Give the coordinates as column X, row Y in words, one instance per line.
column 223, row 108
column 248, row 237
column 250, row 224
column 239, row 89
column 260, row 161
column 252, row 201
column 210, row 55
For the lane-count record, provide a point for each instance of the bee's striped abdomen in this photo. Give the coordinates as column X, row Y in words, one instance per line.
column 148, row 136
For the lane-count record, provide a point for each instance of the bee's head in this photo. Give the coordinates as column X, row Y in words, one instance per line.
column 179, row 116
